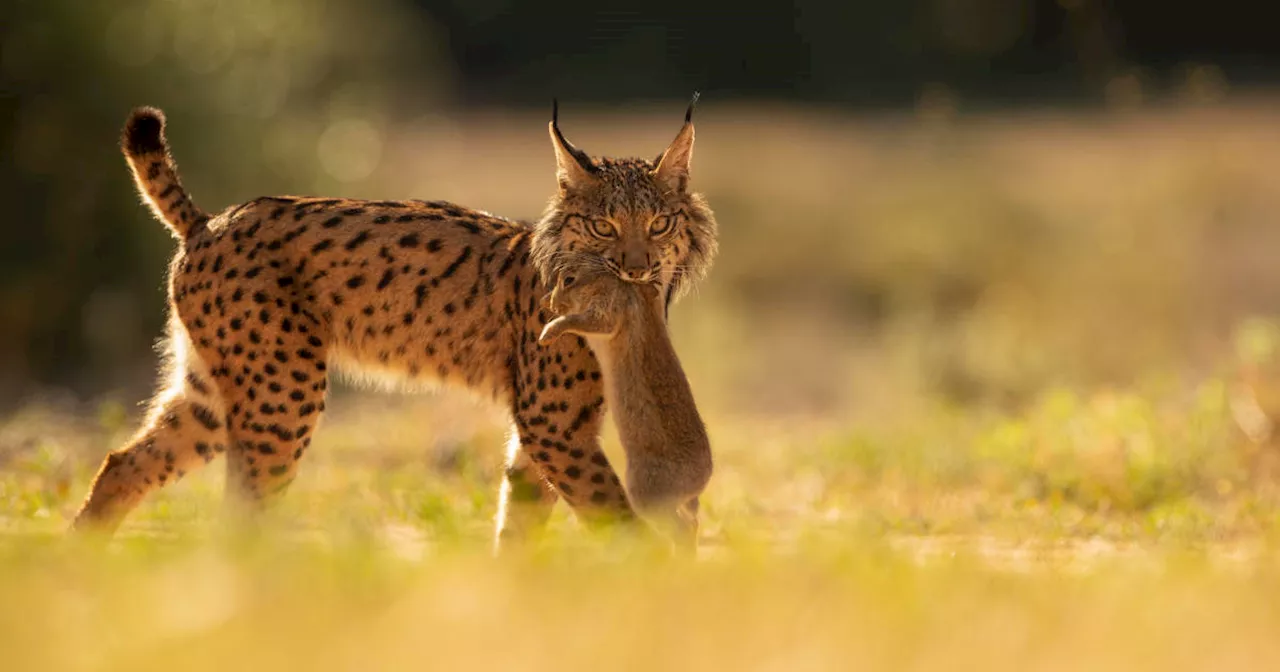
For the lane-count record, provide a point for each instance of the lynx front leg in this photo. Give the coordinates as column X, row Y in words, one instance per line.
column 576, row 467
column 525, row 501
column 558, row 410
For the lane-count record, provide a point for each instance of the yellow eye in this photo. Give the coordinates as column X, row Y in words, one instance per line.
column 602, row 229
column 662, row 225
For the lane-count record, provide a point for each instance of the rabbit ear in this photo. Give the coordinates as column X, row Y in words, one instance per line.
column 673, row 166
column 573, row 167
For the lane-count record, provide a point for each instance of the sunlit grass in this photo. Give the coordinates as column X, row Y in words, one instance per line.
column 1163, row 463
column 833, row 604
column 1087, row 531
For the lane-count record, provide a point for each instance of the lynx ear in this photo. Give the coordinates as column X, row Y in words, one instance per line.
column 673, row 165
column 573, row 167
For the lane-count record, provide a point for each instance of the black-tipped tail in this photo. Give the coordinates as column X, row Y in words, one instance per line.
column 144, row 132
column 155, row 173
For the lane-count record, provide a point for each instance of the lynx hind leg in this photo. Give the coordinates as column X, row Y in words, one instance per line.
column 582, row 324
column 185, row 430
column 276, row 403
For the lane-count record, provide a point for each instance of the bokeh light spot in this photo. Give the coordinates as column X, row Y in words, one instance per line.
column 204, row 45
column 134, row 36
column 350, row 149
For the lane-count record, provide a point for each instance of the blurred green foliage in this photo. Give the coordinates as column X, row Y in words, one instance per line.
column 81, row 266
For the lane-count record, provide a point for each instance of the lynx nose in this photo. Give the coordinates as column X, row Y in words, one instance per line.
column 635, row 274
column 634, row 267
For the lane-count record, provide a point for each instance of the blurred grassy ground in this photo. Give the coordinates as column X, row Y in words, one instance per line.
column 289, row 608
column 974, row 387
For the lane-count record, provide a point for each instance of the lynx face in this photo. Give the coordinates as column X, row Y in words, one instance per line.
column 635, row 218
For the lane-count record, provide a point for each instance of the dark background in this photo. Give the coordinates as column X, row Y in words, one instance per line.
column 858, row 53
column 77, row 255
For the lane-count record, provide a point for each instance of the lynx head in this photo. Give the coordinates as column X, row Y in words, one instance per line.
column 635, row 218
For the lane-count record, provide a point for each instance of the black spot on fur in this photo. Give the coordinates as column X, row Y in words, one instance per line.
column 196, row 384
column 453, row 267
column 205, row 416
column 358, row 240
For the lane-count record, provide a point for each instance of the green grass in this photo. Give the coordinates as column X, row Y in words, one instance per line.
column 1166, row 464
column 857, row 606
column 1106, row 531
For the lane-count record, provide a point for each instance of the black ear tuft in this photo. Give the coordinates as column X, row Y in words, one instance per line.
column 144, row 132
column 580, row 157
column 688, row 114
